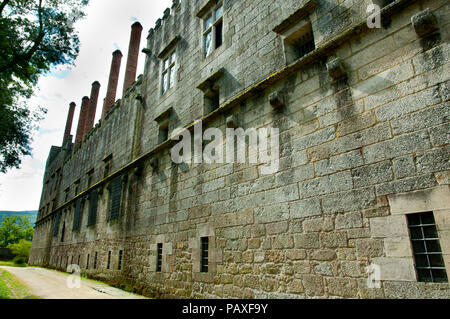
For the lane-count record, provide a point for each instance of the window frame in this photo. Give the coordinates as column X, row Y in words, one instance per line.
column 159, row 257
column 204, row 255
column 171, row 61
column 425, row 240
column 211, row 13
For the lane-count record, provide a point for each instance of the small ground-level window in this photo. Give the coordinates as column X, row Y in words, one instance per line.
column 427, row 251
column 95, row 261
column 204, row 254
column 109, row 260
column 120, row 260
column 159, row 258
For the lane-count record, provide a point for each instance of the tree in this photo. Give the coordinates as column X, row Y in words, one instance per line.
column 22, row 248
column 35, row 35
column 15, row 228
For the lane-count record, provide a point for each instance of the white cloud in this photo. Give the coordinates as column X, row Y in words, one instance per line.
column 105, row 29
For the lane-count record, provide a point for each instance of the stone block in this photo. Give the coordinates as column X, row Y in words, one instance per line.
column 389, row 226
column 372, row 174
column 307, row 240
column 305, row 208
column 349, row 201
column 397, row 269
column 368, row 247
column 342, row 287
column 313, row 285
column 420, row 201
column 333, row 239
column 327, row 184
column 404, row 167
column 398, row 247
column 348, row 220
column 339, row 163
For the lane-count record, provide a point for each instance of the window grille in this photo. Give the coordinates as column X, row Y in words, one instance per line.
column 427, row 251
column 204, row 254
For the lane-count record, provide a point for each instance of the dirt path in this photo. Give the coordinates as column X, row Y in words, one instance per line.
column 49, row 284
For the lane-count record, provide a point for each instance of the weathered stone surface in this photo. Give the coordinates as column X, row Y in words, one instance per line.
column 357, row 153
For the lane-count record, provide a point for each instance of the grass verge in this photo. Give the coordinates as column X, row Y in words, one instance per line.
column 11, row 288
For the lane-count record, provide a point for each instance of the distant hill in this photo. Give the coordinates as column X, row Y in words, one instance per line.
column 32, row 214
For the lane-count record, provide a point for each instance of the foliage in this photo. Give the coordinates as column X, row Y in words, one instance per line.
column 21, row 249
column 13, row 229
column 20, row 260
column 35, row 35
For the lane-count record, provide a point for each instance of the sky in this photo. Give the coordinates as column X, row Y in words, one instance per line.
column 105, row 29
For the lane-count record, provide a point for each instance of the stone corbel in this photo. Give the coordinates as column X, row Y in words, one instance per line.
column 424, row 22
column 335, row 68
column 277, row 99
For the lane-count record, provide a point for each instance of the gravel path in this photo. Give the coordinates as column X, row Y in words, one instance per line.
column 49, row 284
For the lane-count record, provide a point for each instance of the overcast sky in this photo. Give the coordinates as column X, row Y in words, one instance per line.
column 106, row 28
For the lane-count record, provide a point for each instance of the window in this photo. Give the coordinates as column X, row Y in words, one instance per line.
column 93, row 203
column 115, row 189
column 108, row 165
column 71, row 260
column 211, row 99
column 87, row 261
column 77, row 187
column 204, row 254
column 426, row 248
column 66, row 194
column 168, row 72
column 90, row 178
column 63, row 231
column 79, row 257
column 120, row 260
column 77, row 215
column 95, row 260
column 56, row 225
column 213, row 29
column 159, row 258
column 109, row 260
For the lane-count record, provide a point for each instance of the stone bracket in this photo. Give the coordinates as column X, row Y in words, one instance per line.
column 277, row 99
column 424, row 22
column 335, row 68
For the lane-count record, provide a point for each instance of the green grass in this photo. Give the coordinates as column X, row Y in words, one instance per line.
column 10, row 264
column 11, row 288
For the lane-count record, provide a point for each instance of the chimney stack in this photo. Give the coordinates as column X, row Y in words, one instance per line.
column 82, row 120
column 90, row 117
column 113, row 82
column 69, row 121
column 133, row 56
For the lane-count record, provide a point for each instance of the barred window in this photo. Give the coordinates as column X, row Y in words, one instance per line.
column 93, row 204
column 427, row 251
column 115, row 189
column 109, row 260
column 204, row 254
column 120, row 260
column 95, row 261
column 56, row 225
column 159, row 258
column 77, row 215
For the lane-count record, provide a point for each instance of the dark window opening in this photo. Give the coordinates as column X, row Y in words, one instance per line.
column 120, row 260
column 77, row 215
column 204, row 254
column 212, row 99
column 218, row 30
column 159, row 258
column 63, row 231
column 90, row 178
column 305, row 44
column 427, row 251
column 107, row 169
column 109, row 260
column 95, row 260
column 56, row 225
column 87, row 261
column 163, row 133
column 79, row 257
column 115, row 189
column 299, row 43
column 93, row 203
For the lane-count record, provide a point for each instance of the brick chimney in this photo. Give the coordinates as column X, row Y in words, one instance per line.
column 82, row 120
column 92, row 108
column 69, row 121
column 133, row 56
column 112, row 83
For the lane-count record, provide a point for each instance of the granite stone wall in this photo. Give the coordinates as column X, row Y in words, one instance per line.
column 364, row 141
